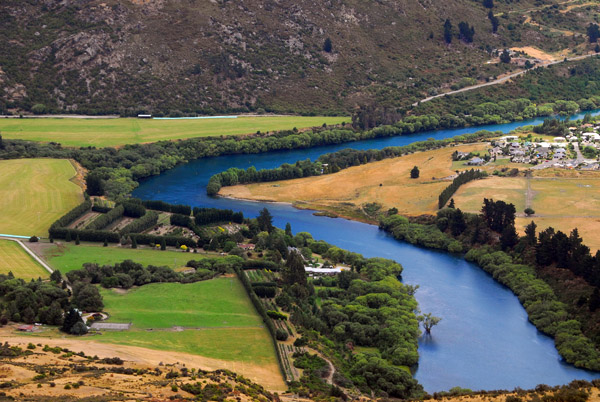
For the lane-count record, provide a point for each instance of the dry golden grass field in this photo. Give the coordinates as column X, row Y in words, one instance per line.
column 34, row 193
column 16, row 260
column 386, row 182
column 561, row 199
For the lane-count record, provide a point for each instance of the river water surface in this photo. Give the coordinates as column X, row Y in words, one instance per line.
column 484, row 340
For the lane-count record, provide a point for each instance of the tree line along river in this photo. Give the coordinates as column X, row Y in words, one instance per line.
column 484, row 340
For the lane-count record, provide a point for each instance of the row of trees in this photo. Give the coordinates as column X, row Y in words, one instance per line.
column 462, row 178
column 126, row 274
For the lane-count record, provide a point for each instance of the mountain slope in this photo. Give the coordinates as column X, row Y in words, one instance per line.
column 203, row 56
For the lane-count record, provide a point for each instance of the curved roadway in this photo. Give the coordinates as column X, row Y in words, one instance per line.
column 503, row 79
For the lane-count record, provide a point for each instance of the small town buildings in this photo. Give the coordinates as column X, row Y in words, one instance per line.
column 461, row 155
column 325, row 271
column 476, row 162
column 591, row 137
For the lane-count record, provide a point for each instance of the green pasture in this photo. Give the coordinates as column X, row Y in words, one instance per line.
column 244, row 345
column 68, row 257
column 16, row 260
column 116, row 132
column 216, row 303
column 219, row 319
column 34, row 193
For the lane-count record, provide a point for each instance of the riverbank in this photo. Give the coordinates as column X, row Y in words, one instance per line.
column 500, row 350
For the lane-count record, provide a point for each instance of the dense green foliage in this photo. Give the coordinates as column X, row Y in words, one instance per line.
column 163, row 206
column 128, row 273
column 204, row 216
column 34, row 301
column 558, row 89
column 515, row 266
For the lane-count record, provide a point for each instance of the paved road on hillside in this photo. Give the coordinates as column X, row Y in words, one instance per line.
column 503, row 79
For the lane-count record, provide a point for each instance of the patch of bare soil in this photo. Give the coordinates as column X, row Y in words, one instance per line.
column 83, row 220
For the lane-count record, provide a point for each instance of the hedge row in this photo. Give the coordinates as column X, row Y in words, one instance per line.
column 462, row 178
column 205, row 216
column 172, row 241
column 104, row 220
column 134, row 209
column 100, row 208
column 85, row 235
column 257, row 264
column 73, row 214
column 166, row 207
column 262, row 312
column 181, row 220
column 139, row 225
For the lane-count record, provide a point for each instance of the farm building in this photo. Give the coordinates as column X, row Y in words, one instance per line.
column 246, row 246
column 112, row 326
column 25, row 328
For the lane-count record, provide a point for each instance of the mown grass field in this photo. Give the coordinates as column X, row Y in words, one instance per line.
column 68, row 256
column 220, row 321
column 115, row 132
column 34, row 193
column 220, row 302
column 386, row 182
column 14, row 259
column 240, row 345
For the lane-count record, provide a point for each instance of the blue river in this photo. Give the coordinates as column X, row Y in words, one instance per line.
column 484, row 341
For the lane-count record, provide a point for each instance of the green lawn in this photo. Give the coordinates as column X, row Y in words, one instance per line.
column 114, row 132
column 34, row 193
column 220, row 302
column 68, row 256
column 14, row 259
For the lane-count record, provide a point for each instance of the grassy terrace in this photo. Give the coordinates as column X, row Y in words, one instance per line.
column 116, row 132
column 14, row 259
column 216, row 303
column 68, row 257
column 34, row 193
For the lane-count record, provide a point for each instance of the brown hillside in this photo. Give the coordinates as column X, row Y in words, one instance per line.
column 108, row 56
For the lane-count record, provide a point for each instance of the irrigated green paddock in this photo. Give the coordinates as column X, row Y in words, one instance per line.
column 218, row 303
column 242, row 345
column 34, row 193
column 14, row 259
column 68, row 256
column 216, row 320
column 115, row 132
